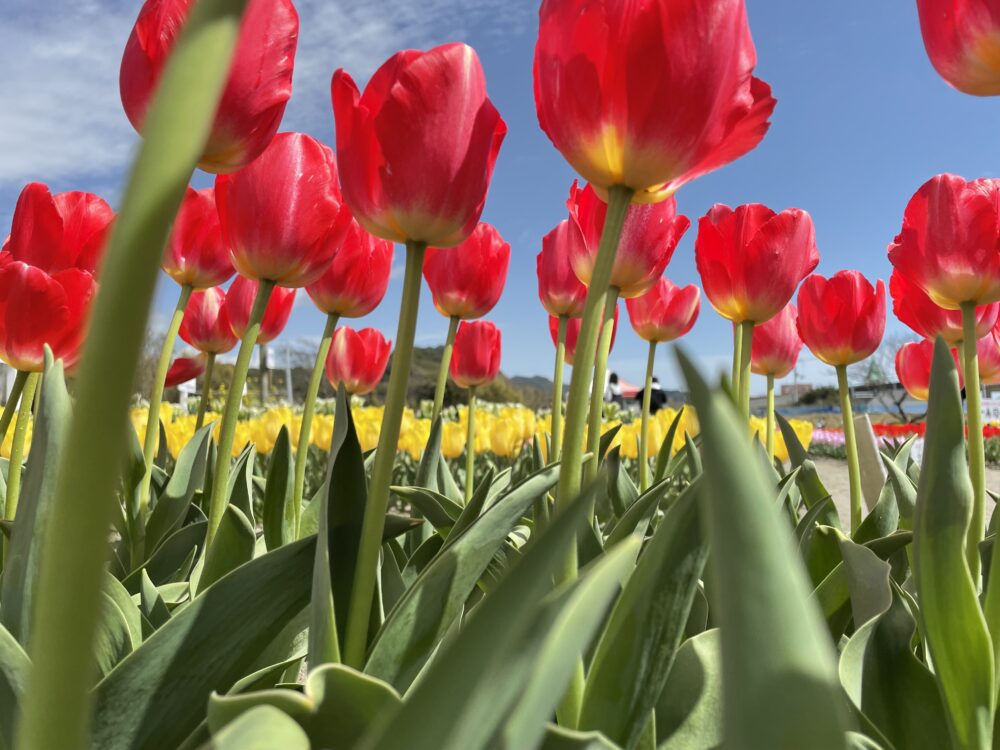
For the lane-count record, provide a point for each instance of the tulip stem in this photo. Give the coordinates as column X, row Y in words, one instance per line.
column 604, row 340
column 470, row 447
column 746, row 348
column 619, row 198
column 206, row 391
column 851, row 444
column 442, row 381
column 557, row 390
column 366, row 570
column 151, row 441
column 737, row 358
column 17, row 448
column 647, row 397
column 769, row 429
column 977, row 452
column 10, row 408
column 231, row 412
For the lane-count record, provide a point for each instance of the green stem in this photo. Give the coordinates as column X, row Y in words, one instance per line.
column 746, row 348
column 356, row 632
column 10, row 408
column 442, row 381
column 557, row 390
column 851, row 444
column 647, row 397
column 470, row 447
column 619, row 198
column 977, row 450
column 308, row 408
column 231, row 412
column 17, row 448
column 597, row 386
column 152, row 439
column 769, row 433
column 737, row 357
column 73, row 554
column 206, row 390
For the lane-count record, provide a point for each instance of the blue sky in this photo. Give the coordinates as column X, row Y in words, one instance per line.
column 862, row 120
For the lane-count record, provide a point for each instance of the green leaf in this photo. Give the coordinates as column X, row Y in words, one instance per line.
column 240, row 490
column 621, row 489
column 279, row 510
column 637, row 518
column 172, row 555
column 640, row 641
column 123, row 601
column 780, row 680
column 883, row 518
column 953, row 623
column 263, row 728
column 189, row 473
column 447, row 484
column 430, row 605
column 666, row 448
column 20, row 570
column 435, row 507
column 560, row 738
column 233, row 545
column 206, row 646
column 154, row 609
column 689, row 708
column 14, row 668
column 427, row 469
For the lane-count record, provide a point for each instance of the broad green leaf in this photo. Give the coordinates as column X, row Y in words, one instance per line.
column 953, row 623
column 621, row 489
column 113, row 641
column 447, row 484
column 883, row 518
column 240, row 490
column 647, row 623
column 905, row 493
column 233, row 545
column 430, row 605
column 279, row 511
column 153, row 608
column 637, row 518
column 206, row 646
column 666, row 449
column 14, row 668
column 189, row 473
column 689, row 708
column 123, row 601
column 780, row 680
column 808, row 479
column 435, row 507
column 427, row 469
column 263, row 728
column 171, row 556
column 607, row 437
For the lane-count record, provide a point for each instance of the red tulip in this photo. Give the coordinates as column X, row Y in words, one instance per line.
column 355, row 282
column 206, row 325
column 559, row 289
column 776, row 344
column 962, row 38
column 666, row 312
column 256, row 92
column 841, row 319
column 466, row 280
column 913, row 367
column 239, row 303
column 184, row 369
column 357, row 359
column 649, row 95
column 950, row 242
column 751, row 259
column 648, row 240
column 197, row 255
column 914, row 308
column 47, row 268
column 475, row 360
column 416, row 150
column 988, row 349
column 573, row 333
column 281, row 215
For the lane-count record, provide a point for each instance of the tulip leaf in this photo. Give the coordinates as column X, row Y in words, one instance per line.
column 666, row 448
column 637, row 518
column 233, row 545
column 647, row 623
column 262, row 728
column 206, row 646
column 240, row 489
column 560, row 738
column 447, row 484
column 607, row 437
column 689, row 708
column 279, row 510
column 953, row 623
column 435, row 507
column 171, row 556
column 189, row 473
column 780, row 682
column 435, row 598
column 621, row 489
column 123, row 601
column 14, row 668
column 151, row 603
column 427, row 469
column 23, row 550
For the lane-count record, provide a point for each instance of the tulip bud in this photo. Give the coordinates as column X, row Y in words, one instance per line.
column 355, row 281
column 751, row 259
column 561, row 292
column 416, row 150
column 647, row 244
column 664, row 313
column 206, row 325
column 475, row 360
column 776, row 344
column 357, row 359
column 913, row 307
column 256, row 91
column 913, row 367
column 196, row 253
column 988, row 349
column 466, row 280
column 962, row 38
column 573, row 333
column 239, row 303
column 648, row 95
column 841, row 319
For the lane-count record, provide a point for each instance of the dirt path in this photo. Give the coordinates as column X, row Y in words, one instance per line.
column 834, row 476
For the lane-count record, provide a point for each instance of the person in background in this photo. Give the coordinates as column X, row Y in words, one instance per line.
column 613, row 390
column 657, row 397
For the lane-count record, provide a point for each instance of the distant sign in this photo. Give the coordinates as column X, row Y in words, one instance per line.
column 991, row 409
column 191, row 387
